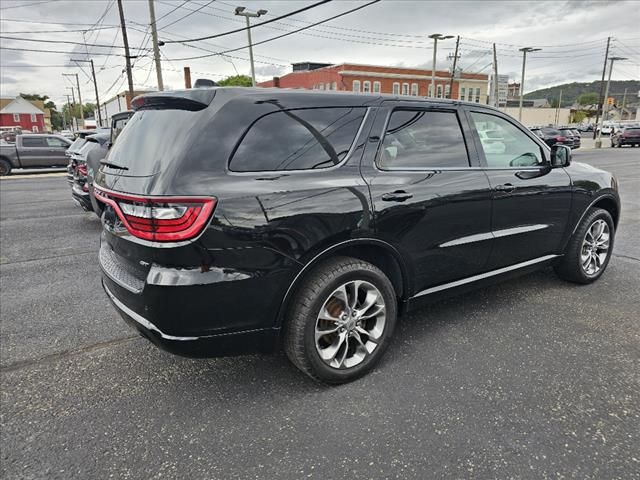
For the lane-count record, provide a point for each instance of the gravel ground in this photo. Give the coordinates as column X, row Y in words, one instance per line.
column 532, row 378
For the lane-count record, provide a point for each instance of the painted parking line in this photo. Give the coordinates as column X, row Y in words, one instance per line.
column 33, row 175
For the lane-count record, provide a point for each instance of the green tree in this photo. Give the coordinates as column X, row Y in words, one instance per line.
column 578, row 117
column 236, row 81
column 590, row 98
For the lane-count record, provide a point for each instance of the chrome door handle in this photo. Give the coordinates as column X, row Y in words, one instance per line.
column 507, row 188
column 397, row 196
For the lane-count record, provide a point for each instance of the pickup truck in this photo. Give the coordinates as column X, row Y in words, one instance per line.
column 33, row 150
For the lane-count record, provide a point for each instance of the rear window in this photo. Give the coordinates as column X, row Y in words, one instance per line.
column 302, row 139
column 77, row 144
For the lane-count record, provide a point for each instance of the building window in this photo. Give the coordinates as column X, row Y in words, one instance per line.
column 321, row 86
column 477, row 95
column 405, row 89
column 16, row 117
column 470, row 95
column 327, row 86
column 366, row 86
column 356, row 86
column 376, row 87
column 396, row 88
column 334, row 86
column 447, row 91
column 439, row 90
column 430, row 90
column 34, row 129
column 34, row 119
column 414, row 89
column 462, row 92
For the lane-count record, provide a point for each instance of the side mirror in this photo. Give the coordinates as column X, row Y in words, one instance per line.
column 560, row 156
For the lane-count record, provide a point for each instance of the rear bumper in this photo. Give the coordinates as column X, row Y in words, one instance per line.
column 264, row 340
column 81, row 198
column 629, row 141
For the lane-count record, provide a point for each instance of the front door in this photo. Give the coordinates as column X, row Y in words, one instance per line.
column 428, row 200
column 57, row 150
column 33, row 151
column 531, row 201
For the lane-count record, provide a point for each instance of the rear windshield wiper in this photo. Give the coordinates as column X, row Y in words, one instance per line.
column 113, row 165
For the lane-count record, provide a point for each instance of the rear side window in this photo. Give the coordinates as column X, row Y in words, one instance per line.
column 32, row 142
column 298, row 140
column 423, row 139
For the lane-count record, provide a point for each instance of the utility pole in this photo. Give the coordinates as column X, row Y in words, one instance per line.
column 558, row 108
column 187, row 77
column 598, row 143
column 95, row 86
column 455, row 65
column 79, row 94
column 524, row 51
column 624, row 103
column 71, row 115
column 495, row 77
column 243, row 12
column 68, row 121
column 600, row 99
column 156, row 49
column 436, row 37
column 127, row 56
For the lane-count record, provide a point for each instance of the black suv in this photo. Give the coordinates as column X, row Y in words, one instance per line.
column 238, row 220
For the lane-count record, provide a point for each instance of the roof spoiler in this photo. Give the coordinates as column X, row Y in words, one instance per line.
column 191, row 100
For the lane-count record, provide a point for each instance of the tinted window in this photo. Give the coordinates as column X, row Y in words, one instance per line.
column 33, row 142
column 298, row 140
column 423, row 139
column 77, row 144
column 507, row 146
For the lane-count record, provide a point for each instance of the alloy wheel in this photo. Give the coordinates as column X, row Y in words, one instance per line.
column 595, row 247
column 350, row 324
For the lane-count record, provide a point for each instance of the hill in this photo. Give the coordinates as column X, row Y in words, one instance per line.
column 571, row 91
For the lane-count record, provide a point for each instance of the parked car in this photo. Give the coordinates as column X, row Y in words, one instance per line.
column 573, row 135
column 552, row 136
column 34, row 150
column 67, row 134
column 118, row 122
column 585, row 127
column 248, row 219
column 92, row 152
column 78, row 143
column 606, row 129
column 626, row 136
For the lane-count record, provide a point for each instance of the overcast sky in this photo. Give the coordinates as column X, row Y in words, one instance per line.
column 572, row 36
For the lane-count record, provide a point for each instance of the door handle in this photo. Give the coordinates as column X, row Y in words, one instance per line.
column 397, row 196
column 507, row 188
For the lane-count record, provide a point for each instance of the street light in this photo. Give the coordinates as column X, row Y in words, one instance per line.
column 524, row 51
column 598, row 143
column 243, row 12
column 436, row 37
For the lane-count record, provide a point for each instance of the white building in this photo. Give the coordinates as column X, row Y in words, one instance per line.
column 503, row 89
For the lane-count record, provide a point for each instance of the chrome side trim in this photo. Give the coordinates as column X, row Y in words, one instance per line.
column 482, row 276
column 479, row 237
column 143, row 321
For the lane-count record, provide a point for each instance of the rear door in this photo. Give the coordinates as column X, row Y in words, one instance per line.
column 57, row 149
column 431, row 199
column 531, row 201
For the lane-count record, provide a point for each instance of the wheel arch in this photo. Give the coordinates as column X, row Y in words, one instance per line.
column 377, row 252
column 610, row 205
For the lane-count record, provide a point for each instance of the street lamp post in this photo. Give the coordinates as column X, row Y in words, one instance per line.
column 524, row 51
column 243, row 12
column 436, row 37
column 598, row 142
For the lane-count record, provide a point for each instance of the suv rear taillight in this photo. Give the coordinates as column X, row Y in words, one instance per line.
column 82, row 169
column 560, row 138
column 159, row 219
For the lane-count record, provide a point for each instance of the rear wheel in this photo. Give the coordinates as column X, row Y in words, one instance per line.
column 589, row 249
column 341, row 321
column 5, row 167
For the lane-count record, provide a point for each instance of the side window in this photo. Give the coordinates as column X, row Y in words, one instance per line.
column 396, row 88
column 414, row 89
column 28, row 141
column 356, row 86
column 376, row 87
column 298, row 140
column 366, row 86
column 423, row 139
column 405, row 89
column 56, row 142
column 504, row 144
column 463, row 91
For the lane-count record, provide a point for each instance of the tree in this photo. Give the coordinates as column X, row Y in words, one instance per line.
column 590, row 98
column 236, row 81
column 56, row 116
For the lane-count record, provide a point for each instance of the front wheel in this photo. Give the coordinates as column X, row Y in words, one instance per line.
column 5, row 167
column 589, row 249
column 341, row 321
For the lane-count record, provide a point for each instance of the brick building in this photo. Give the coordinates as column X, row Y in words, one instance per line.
column 20, row 113
column 386, row 80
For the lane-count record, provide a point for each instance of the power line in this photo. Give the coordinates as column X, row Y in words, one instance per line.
column 170, row 12
column 284, row 34
column 184, row 16
column 54, row 51
column 295, row 12
column 28, row 4
column 39, row 40
column 56, row 31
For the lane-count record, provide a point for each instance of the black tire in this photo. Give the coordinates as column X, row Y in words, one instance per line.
column 5, row 167
column 570, row 266
column 309, row 299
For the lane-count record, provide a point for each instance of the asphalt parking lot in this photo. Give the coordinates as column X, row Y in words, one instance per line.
column 533, row 378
